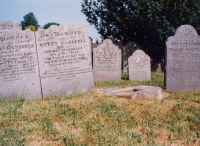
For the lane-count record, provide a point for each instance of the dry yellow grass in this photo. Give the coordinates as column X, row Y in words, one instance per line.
column 95, row 119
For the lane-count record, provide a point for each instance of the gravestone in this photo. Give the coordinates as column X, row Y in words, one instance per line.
column 183, row 60
column 7, row 25
column 107, row 62
column 139, row 66
column 19, row 75
column 136, row 92
column 65, row 60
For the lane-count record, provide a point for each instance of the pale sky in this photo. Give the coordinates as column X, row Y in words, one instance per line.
column 60, row 11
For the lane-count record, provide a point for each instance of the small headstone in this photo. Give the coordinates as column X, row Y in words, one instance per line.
column 65, row 60
column 107, row 62
column 19, row 75
column 137, row 92
column 183, row 60
column 139, row 66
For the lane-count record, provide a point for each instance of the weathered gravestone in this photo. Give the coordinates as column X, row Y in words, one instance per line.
column 183, row 60
column 139, row 66
column 107, row 62
column 19, row 75
column 65, row 60
column 7, row 25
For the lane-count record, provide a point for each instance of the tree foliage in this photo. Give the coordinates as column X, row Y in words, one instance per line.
column 31, row 27
column 146, row 22
column 29, row 20
column 46, row 26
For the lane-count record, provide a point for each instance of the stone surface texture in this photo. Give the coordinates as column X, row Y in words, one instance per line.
column 7, row 25
column 47, row 63
column 139, row 66
column 107, row 62
column 183, row 60
column 19, row 75
column 65, row 60
column 137, row 92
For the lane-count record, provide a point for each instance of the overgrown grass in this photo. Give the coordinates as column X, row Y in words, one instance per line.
column 95, row 119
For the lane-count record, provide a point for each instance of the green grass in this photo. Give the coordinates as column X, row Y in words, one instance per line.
column 157, row 80
column 95, row 119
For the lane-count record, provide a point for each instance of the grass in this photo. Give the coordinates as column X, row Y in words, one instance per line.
column 95, row 119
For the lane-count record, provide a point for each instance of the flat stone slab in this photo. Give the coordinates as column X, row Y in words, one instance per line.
column 136, row 92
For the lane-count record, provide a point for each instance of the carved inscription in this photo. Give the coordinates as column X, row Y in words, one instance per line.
column 19, row 74
column 52, row 62
column 183, row 60
column 107, row 62
column 139, row 66
column 65, row 60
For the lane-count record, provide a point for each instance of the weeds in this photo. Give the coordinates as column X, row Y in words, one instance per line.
column 11, row 137
column 68, row 140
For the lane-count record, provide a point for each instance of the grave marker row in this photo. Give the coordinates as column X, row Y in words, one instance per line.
column 107, row 63
column 52, row 62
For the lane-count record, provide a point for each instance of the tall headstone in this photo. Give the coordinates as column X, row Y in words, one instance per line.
column 107, row 62
column 65, row 60
column 183, row 60
column 139, row 66
column 19, row 75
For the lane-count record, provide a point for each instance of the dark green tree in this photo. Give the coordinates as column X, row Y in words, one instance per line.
column 148, row 23
column 29, row 20
column 49, row 24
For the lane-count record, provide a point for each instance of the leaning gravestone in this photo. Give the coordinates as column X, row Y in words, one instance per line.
column 183, row 60
column 139, row 66
column 19, row 75
column 65, row 60
column 107, row 62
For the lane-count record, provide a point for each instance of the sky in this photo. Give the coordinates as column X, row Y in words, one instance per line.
column 60, row 11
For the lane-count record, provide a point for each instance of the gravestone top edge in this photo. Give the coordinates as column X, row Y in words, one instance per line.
column 180, row 30
column 107, row 42
column 139, row 53
column 68, row 26
column 12, row 25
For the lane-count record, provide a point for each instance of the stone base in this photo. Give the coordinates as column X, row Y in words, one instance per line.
column 136, row 92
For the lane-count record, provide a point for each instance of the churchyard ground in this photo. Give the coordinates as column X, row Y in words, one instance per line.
column 95, row 119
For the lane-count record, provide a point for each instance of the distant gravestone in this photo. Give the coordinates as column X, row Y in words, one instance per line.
column 139, row 66
column 107, row 62
column 65, row 60
column 183, row 60
column 19, row 75
column 7, row 25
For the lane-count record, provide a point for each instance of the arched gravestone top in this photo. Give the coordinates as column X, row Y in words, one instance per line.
column 138, row 54
column 107, row 62
column 139, row 66
column 183, row 60
column 64, row 54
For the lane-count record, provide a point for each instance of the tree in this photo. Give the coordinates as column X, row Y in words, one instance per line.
column 148, row 23
column 31, row 27
column 29, row 20
column 49, row 24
